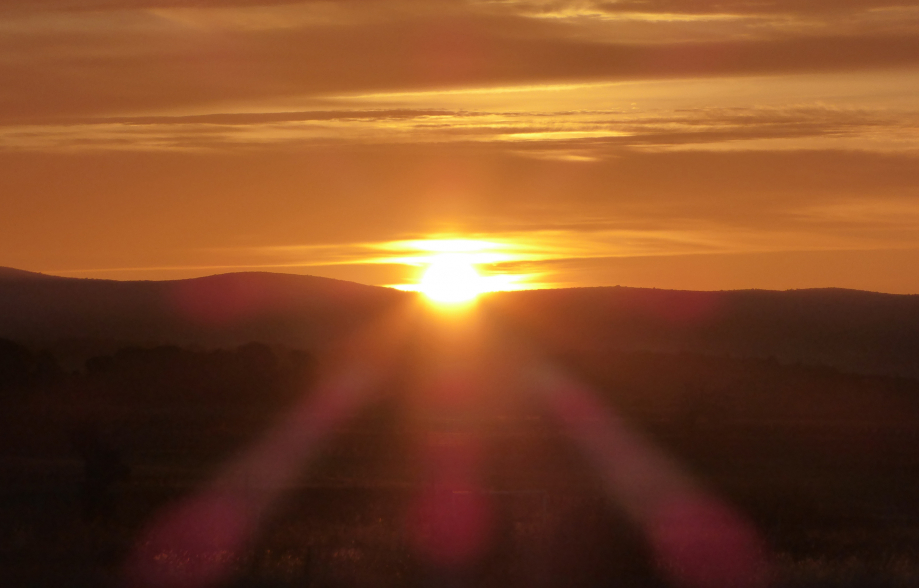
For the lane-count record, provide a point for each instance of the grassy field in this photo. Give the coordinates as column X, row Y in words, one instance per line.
column 830, row 487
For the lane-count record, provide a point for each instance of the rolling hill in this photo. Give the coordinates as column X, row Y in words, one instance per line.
column 221, row 310
column 850, row 330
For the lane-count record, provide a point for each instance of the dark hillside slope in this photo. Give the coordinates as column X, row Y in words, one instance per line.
column 850, row 330
column 222, row 310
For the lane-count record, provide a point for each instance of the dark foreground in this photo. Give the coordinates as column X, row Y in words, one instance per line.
column 825, row 465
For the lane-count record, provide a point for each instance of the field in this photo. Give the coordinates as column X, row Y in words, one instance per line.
column 823, row 464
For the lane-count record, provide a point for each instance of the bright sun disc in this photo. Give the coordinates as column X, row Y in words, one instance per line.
column 451, row 279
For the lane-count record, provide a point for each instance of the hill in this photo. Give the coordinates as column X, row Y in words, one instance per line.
column 822, row 463
column 853, row 331
column 216, row 311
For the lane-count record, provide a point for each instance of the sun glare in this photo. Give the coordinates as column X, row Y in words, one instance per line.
column 458, row 270
column 451, row 279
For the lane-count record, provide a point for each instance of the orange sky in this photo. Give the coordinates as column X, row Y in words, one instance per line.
column 694, row 144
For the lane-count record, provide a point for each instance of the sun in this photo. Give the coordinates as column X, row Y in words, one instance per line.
column 451, row 279
column 450, row 268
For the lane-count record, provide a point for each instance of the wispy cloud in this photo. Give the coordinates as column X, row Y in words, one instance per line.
column 162, row 57
column 525, row 258
column 573, row 134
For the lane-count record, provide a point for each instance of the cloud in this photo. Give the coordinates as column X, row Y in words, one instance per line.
column 723, row 7
column 574, row 135
column 628, row 6
column 109, row 5
column 205, row 59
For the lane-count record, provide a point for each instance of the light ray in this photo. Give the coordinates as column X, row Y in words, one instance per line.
column 196, row 542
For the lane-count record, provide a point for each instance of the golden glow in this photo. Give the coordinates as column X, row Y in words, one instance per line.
column 458, row 270
column 451, row 278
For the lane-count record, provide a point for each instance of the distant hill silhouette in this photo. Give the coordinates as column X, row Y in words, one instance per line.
column 216, row 311
column 851, row 330
column 8, row 273
column 846, row 329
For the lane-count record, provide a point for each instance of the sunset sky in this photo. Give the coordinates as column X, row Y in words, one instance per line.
column 692, row 144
